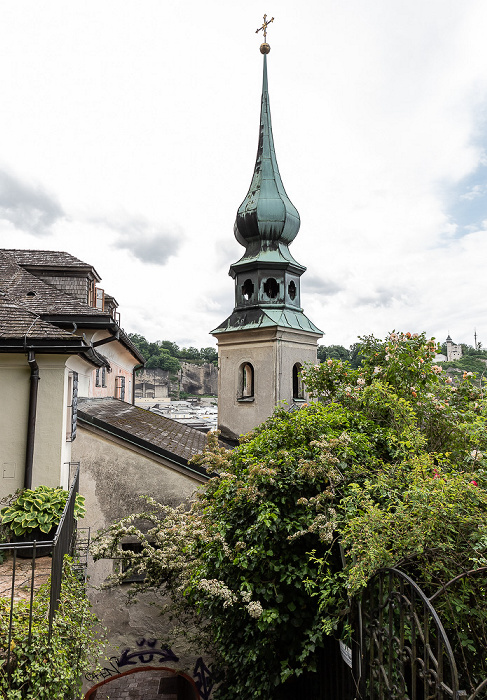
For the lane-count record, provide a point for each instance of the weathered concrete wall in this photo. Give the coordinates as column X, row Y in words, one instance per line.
column 114, row 475
column 192, row 379
column 272, row 352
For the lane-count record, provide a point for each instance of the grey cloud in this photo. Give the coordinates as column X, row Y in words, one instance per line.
column 27, row 207
column 147, row 242
column 383, row 297
column 313, row 284
column 227, row 251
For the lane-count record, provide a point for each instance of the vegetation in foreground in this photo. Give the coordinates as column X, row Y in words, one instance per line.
column 43, row 669
column 386, row 468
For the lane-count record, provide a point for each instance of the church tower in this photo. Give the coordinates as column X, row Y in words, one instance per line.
column 267, row 338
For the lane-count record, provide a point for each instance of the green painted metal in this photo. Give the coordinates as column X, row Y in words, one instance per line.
column 245, row 320
column 266, row 223
column 266, row 215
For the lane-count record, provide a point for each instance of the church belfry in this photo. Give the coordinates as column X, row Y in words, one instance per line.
column 267, row 338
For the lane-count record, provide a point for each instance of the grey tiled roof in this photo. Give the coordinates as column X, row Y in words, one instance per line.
column 46, row 258
column 35, row 294
column 168, row 435
column 16, row 322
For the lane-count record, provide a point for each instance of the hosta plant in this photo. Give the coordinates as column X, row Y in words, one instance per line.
column 40, row 508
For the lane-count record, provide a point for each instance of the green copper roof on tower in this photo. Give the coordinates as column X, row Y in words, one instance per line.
column 267, row 215
column 267, row 277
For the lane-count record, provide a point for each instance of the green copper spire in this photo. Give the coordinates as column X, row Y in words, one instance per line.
column 267, row 277
column 267, row 215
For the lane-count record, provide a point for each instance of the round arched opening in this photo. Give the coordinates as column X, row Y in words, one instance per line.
column 247, row 289
column 298, row 386
column 246, row 381
column 271, row 288
column 144, row 683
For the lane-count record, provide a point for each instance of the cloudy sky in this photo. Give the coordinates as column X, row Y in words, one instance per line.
column 129, row 130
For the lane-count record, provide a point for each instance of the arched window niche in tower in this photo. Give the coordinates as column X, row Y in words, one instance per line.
column 298, row 385
column 271, row 288
column 291, row 290
column 248, row 289
column 246, row 382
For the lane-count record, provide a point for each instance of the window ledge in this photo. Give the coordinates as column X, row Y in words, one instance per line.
column 245, row 399
column 299, row 400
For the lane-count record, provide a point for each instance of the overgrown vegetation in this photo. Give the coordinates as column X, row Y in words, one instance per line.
column 386, row 468
column 44, row 669
column 164, row 354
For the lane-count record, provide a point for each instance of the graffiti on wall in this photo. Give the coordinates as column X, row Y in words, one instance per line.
column 147, row 651
column 204, row 679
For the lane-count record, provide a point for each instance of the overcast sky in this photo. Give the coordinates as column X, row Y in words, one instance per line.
column 129, row 131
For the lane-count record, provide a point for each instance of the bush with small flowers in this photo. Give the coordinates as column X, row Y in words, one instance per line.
column 385, row 467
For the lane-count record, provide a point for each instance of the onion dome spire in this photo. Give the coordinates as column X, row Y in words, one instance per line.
column 267, row 215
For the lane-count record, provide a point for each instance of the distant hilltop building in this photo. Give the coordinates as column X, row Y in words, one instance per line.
column 267, row 339
column 453, row 351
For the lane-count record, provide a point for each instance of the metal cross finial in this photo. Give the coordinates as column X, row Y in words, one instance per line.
column 264, row 27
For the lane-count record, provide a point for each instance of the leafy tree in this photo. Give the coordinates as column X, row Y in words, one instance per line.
column 296, row 520
column 209, row 354
column 156, row 353
column 337, row 352
column 171, row 347
column 163, row 360
column 190, row 353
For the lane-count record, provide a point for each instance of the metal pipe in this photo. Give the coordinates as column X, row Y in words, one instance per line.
column 31, row 420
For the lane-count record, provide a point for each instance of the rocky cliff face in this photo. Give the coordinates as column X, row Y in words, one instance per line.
column 191, row 379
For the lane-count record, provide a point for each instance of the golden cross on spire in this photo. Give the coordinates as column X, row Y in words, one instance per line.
column 264, row 27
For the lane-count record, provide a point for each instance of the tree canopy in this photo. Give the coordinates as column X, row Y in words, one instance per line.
column 386, row 467
column 164, row 354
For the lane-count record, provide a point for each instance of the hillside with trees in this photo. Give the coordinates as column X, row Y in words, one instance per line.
column 166, row 355
column 473, row 360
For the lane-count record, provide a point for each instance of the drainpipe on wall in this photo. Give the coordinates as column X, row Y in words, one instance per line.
column 31, row 420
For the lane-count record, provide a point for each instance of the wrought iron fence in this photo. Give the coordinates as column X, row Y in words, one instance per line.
column 24, row 573
column 405, row 651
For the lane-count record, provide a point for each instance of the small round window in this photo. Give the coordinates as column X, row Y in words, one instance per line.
column 271, row 288
column 247, row 289
column 292, row 290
